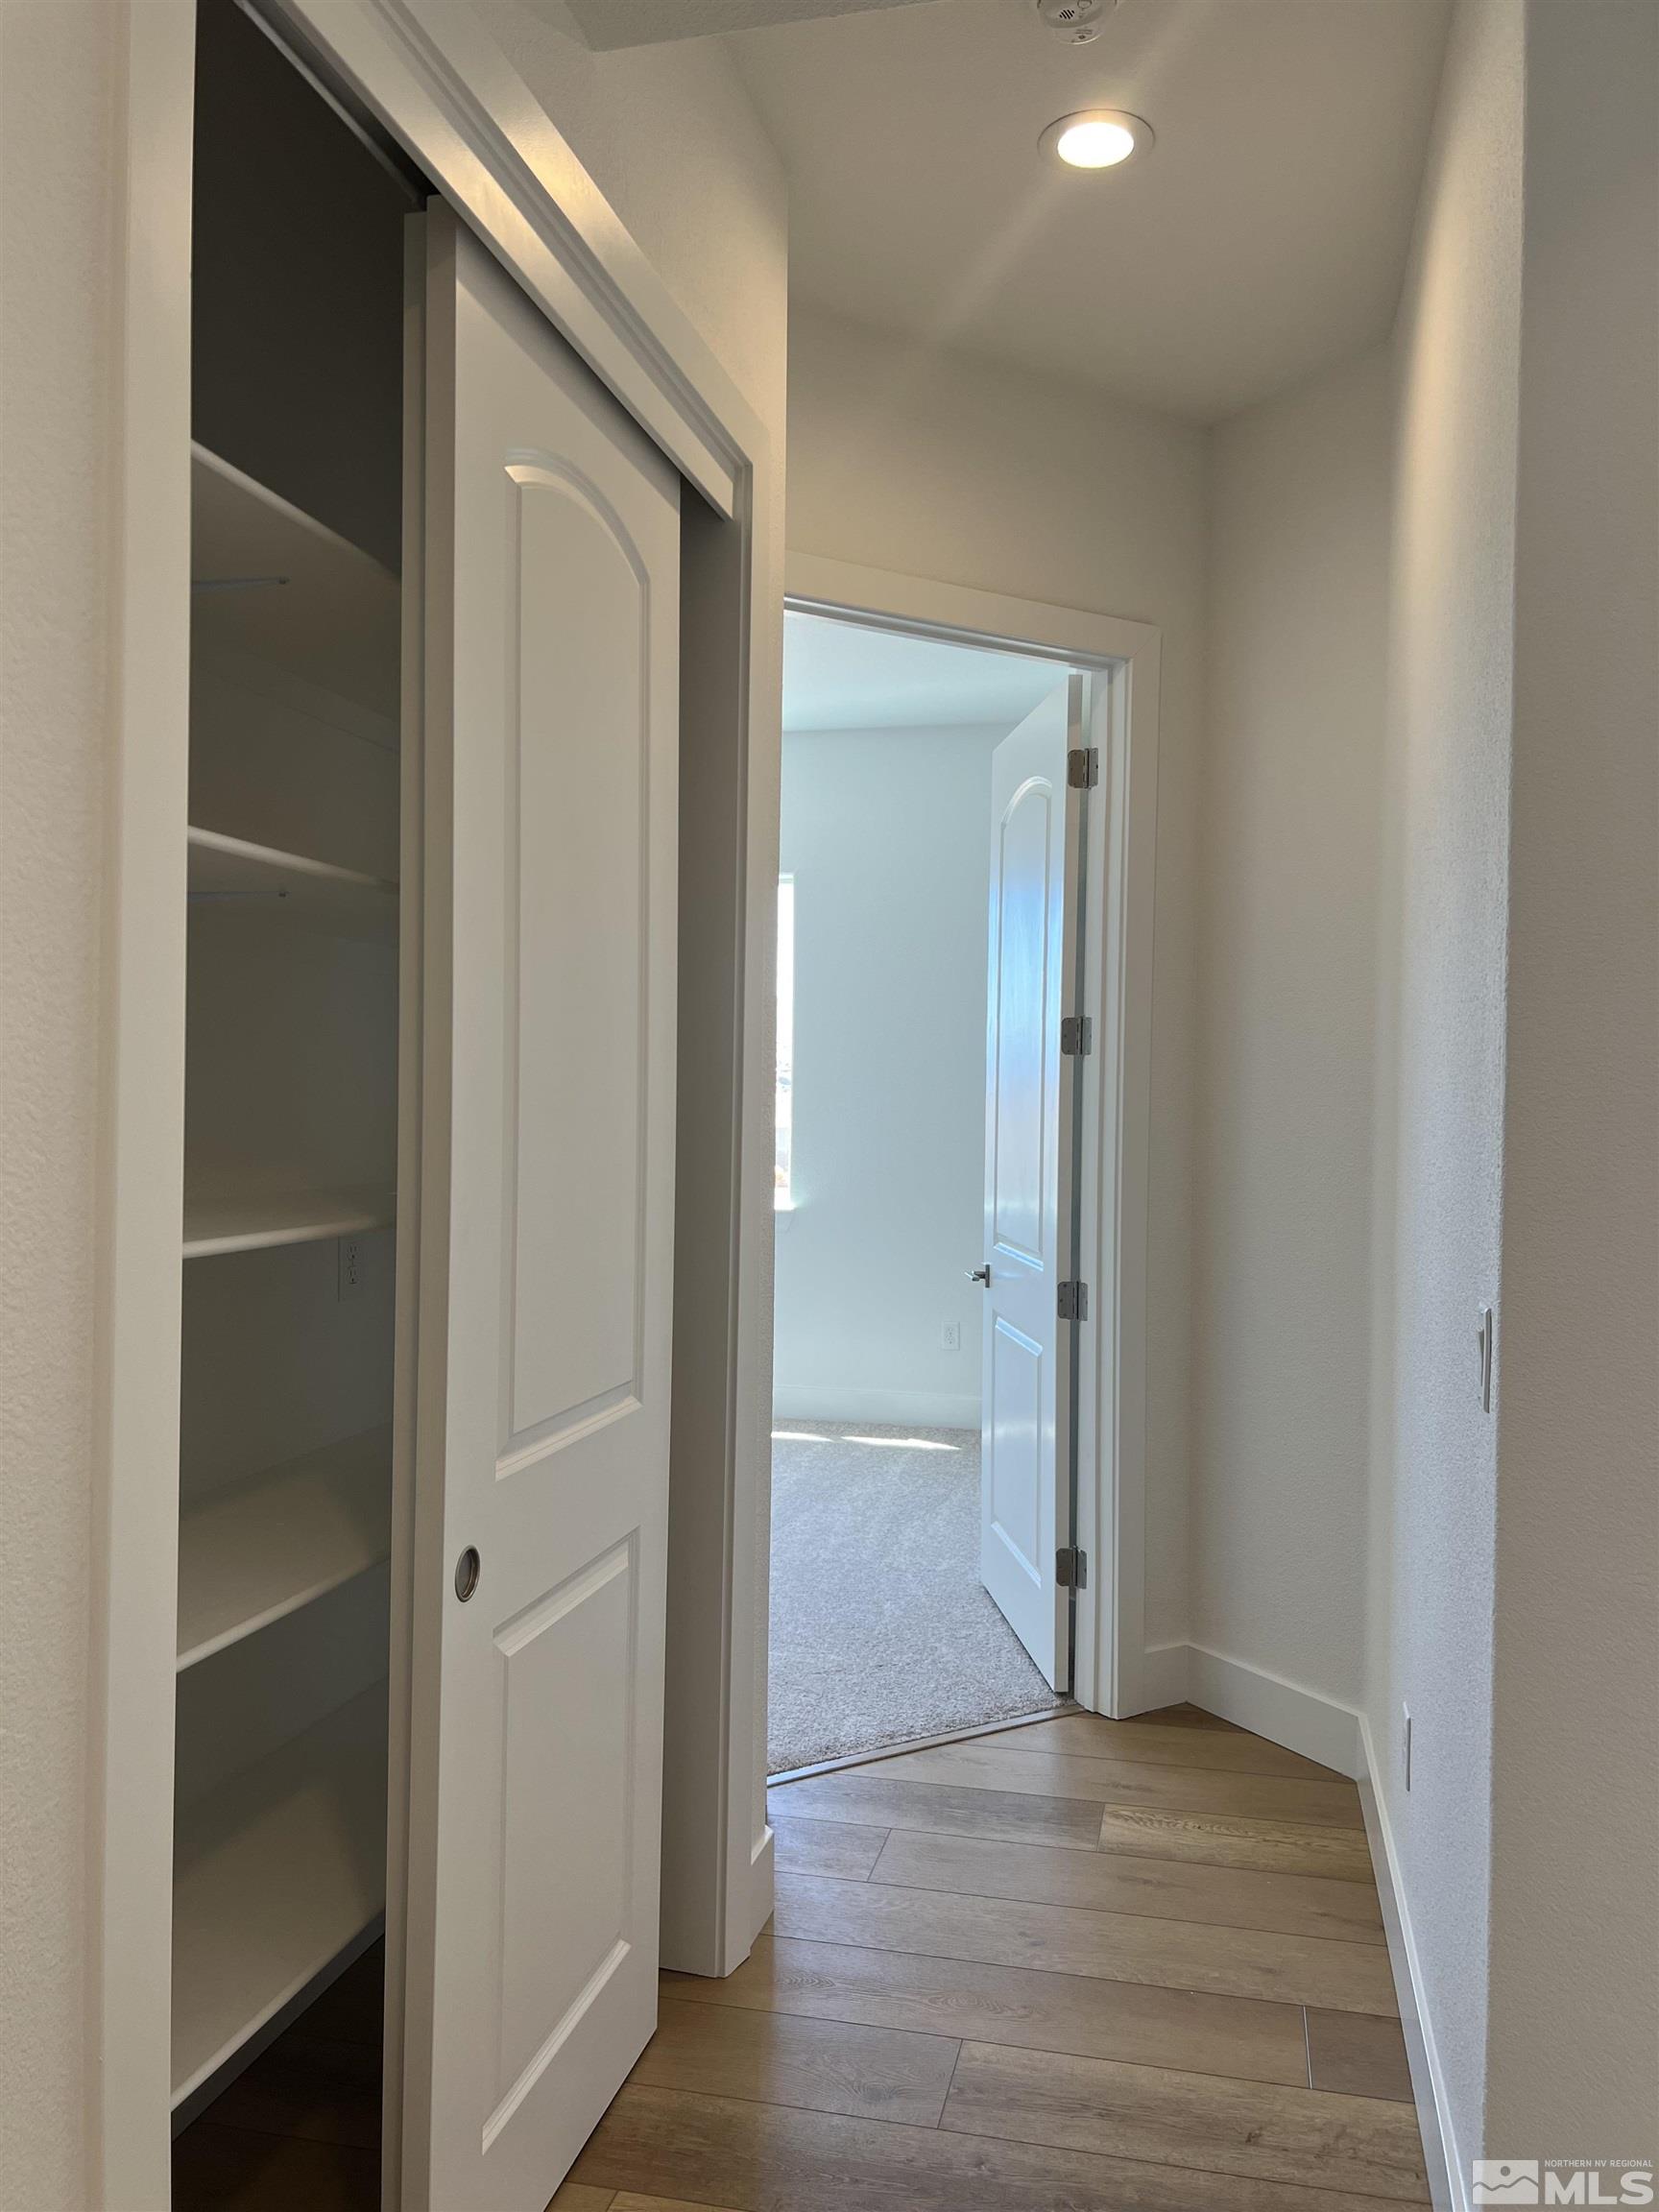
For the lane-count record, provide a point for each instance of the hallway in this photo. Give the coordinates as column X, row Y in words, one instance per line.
column 1083, row 1964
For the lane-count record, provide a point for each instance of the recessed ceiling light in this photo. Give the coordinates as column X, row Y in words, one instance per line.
column 1097, row 138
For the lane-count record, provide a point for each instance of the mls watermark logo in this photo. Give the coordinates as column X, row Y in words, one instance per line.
column 1562, row 2181
column 1507, row 2181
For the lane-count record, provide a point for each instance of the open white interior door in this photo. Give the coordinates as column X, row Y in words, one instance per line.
column 547, row 1103
column 1024, row 1515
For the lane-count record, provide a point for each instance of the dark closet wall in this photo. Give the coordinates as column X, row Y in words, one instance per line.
column 296, row 356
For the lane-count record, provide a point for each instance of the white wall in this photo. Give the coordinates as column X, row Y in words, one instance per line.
column 939, row 466
column 1572, row 2028
column 1441, row 1043
column 669, row 136
column 886, row 833
column 1456, row 759
column 58, row 78
column 1356, row 911
column 1288, row 859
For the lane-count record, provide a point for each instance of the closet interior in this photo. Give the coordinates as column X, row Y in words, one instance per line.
column 291, row 1123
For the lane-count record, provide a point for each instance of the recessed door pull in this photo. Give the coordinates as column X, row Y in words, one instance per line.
column 467, row 1569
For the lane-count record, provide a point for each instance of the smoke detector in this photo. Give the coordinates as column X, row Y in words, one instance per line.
column 1074, row 22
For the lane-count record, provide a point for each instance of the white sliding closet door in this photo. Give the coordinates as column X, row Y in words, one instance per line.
column 547, row 1100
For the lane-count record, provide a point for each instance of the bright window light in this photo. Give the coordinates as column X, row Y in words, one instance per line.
column 783, row 1109
column 904, row 1443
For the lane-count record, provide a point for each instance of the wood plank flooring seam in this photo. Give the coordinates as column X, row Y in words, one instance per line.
column 1073, row 1824
column 1289, row 2136
column 1167, row 1887
column 1051, row 2050
column 1364, row 1959
column 1041, row 2050
column 852, row 1839
column 684, row 1993
column 788, row 2105
column 976, row 2135
column 1104, row 1912
column 955, row 2069
column 1176, row 2166
column 1307, row 2046
column 1242, row 2038
column 1127, row 1758
column 1111, row 1911
column 1326, row 1801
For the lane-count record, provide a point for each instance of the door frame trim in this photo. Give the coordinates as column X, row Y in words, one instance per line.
column 1110, row 1669
column 430, row 76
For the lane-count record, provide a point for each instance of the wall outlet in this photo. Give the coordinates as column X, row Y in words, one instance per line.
column 351, row 1270
column 950, row 1336
column 1406, row 1745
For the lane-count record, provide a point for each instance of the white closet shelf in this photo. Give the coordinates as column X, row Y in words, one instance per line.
column 275, row 1871
column 270, row 581
column 263, row 1548
column 231, row 869
column 220, row 1220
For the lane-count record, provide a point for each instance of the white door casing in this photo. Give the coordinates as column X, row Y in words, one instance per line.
column 1024, row 1473
column 547, row 1102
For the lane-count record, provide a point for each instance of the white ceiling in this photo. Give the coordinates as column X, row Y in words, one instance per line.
column 1261, row 239
column 839, row 676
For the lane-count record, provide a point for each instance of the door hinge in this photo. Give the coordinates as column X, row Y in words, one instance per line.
column 1071, row 1568
column 1077, row 1036
column 1074, row 1304
column 1083, row 767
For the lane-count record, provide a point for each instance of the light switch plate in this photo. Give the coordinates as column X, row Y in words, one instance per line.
column 1483, row 1341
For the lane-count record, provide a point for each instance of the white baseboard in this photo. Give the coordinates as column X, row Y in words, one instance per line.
column 1163, row 1677
column 1447, row 2172
column 890, row 1408
column 1284, row 1712
column 762, row 1885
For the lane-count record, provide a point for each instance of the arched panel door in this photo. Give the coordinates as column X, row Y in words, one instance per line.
column 1024, row 1509
column 545, row 1264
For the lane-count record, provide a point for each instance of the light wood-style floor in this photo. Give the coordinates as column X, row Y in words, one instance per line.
column 1079, row 1966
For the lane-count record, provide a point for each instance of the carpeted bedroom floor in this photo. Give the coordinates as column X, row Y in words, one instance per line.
column 880, row 1629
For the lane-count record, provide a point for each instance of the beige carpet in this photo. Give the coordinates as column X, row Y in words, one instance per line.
column 880, row 1629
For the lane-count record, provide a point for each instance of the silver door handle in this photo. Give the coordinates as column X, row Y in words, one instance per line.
column 981, row 1275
